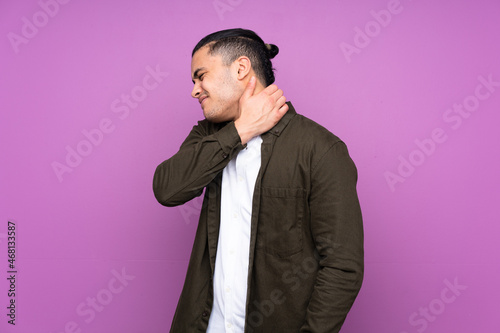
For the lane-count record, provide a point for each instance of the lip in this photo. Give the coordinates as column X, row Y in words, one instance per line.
column 202, row 98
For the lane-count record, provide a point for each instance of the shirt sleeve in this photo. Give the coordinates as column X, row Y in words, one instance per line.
column 337, row 229
column 203, row 154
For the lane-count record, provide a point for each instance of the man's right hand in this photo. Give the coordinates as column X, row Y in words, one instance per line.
column 260, row 112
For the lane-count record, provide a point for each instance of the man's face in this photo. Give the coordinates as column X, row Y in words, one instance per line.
column 215, row 86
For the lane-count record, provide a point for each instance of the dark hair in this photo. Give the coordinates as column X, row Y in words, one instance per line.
column 234, row 43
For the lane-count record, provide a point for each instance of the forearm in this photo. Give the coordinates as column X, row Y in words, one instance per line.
column 201, row 157
column 333, row 296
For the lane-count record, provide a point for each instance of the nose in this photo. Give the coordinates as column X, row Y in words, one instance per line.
column 196, row 91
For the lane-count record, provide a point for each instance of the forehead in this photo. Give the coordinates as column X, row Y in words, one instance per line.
column 202, row 59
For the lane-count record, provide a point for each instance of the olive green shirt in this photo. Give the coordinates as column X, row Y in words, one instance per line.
column 306, row 241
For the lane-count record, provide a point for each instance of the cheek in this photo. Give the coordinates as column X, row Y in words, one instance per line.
column 207, row 88
column 228, row 90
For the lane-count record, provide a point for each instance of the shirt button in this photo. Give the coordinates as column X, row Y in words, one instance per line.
column 228, row 290
column 229, row 325
column 235, row 215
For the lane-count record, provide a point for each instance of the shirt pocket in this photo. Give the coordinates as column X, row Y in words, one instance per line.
column 279, row 230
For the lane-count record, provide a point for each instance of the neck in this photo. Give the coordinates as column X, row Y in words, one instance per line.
column 258, row 88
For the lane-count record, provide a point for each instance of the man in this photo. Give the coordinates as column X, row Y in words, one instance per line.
column 279, row 244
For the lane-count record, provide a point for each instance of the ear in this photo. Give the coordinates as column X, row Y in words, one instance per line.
column 243, row 67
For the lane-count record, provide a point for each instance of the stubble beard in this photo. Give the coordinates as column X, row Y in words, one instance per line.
column 227, row 108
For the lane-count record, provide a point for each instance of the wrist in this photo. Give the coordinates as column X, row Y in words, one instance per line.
column 243, row 131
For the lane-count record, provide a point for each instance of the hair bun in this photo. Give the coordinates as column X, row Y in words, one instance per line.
column 272, row 50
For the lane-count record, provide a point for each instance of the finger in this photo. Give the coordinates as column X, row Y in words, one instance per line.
column 279, row 102
column 283, row 109
column 271, row 89
column 277, row 94
column 278, row 105
column 278, row 113
column 250, row 88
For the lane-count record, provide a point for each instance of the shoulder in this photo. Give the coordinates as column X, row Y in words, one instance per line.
column 308, row 131
column 204, row 128
column 209, row 126
column 311, row 139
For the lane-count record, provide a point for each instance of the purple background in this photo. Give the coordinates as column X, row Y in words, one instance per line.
column 383, row 90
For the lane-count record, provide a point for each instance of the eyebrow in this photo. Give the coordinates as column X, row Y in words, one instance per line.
column 196, row 74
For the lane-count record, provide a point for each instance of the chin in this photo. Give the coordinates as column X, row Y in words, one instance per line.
column 215, row 117
column 211, row 117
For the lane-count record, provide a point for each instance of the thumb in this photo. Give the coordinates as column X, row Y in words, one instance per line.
column 250, row 88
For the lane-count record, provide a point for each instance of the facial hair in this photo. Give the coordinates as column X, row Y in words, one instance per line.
column 228, row 95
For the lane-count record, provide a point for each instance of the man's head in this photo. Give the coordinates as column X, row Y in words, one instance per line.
column 221, row 66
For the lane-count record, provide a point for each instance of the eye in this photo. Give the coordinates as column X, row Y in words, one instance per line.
column 201, row 76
